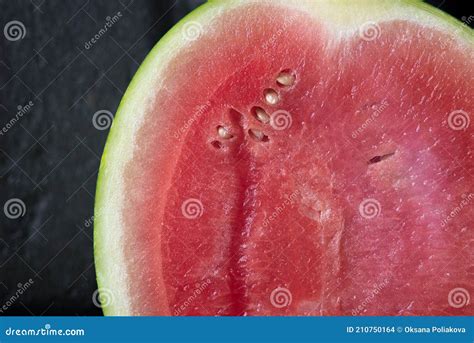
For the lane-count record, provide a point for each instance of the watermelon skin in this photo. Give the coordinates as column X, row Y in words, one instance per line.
column 325, row 254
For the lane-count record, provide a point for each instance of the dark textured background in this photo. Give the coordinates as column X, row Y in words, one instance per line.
column 49, row 158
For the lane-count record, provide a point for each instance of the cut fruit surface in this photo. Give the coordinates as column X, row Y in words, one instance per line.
column 293, row 158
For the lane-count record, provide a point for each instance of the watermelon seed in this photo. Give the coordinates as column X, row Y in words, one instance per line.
column 216, row 144
column 285, row 78
column 258, row 135
column 271, row 96
column 260, row 114
column 380, row 158
column 223, row 132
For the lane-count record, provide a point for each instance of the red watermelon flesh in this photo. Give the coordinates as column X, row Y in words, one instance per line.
column 337, row 203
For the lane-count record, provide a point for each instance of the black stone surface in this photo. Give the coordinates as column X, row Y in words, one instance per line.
column 49, row 155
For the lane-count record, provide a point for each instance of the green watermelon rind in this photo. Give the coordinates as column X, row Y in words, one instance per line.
column 167, row 43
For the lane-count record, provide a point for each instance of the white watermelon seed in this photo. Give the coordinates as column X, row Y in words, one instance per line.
column 285, row 78
column 223, row 132
column 260, row 114
column 258, row 135
column 271, row 96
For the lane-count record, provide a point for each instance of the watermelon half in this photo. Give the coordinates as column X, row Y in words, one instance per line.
column 293, row 158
